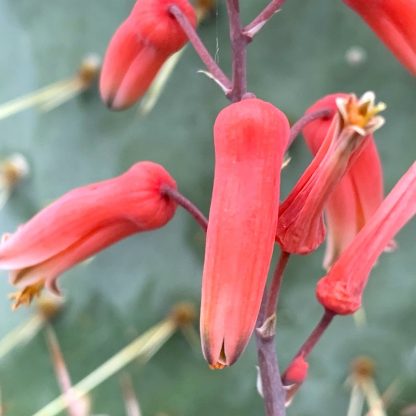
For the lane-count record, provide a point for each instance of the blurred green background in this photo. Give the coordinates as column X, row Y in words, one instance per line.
column 299, row 57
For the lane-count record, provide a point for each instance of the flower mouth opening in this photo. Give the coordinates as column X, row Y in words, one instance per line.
column 222, row 361
column 361, row 114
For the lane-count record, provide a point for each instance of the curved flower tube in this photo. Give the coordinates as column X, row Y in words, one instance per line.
column 138, row 49
column 83, row 222
column 358, row 194
column 301, row 229
column 394, row 21
column 250, row 140
column 341, row 290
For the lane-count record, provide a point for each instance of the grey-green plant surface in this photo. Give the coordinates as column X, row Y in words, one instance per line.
column 299, row 57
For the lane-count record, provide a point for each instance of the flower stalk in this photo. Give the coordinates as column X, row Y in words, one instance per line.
column 264, row 16
column 213, row 68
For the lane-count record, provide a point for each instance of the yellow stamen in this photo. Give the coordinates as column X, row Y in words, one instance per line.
column 217, row 366
column 361, row 114
column 26, row 295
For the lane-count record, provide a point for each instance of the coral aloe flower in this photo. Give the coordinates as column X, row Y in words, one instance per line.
column 301, row 229
column 250, row 138
column 341, row 290
column 394, row 21
column 358, row 194
column 138, row 49
column 83, row 222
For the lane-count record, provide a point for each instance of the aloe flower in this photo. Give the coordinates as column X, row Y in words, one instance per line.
column 138, row 49
column 250, row 138
column 341, row 290
column 301, row 229
column 394, row 22
column 83, row 222
column 358, row 194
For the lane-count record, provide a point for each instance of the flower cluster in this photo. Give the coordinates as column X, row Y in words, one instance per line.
column 338, row 198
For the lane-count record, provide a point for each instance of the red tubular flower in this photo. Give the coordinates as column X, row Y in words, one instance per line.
column 138, row 49
column 394, row 21
column 341, row 290
column 359, row 193
column 250, row 139
column 82, row 223
column 300, row 229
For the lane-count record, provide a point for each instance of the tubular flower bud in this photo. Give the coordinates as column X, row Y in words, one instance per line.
column 394, row 22
column 138, row 49
column 297, row 371
column 301, row 228
column 342, row 288
column 358, row 194
column 250, row 139
column 82, row 223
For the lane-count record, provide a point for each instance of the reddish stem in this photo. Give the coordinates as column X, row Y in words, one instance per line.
column 213, row 68
column 238, row 46
column 274, row 289
column 186, row 204
column 273, row 392
column 305, row 120
column 313, row 338
column 265, row 15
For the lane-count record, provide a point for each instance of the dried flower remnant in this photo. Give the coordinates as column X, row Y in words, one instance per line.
column 139, row 48
column 341, row 290
column 357, row 195
column 301, row 229
column 250, row 139
column 56, row 94
column 82, row 223
column 12, row 171
column 394, row 22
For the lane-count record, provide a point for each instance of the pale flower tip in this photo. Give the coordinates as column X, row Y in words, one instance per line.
column 367, row 97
